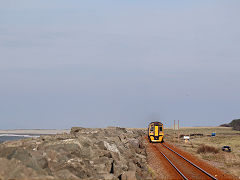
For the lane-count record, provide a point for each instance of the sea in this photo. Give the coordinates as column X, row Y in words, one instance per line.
column 13, row 137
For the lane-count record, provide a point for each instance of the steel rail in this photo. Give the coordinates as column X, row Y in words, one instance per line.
column 191, row 163
column 184, row 177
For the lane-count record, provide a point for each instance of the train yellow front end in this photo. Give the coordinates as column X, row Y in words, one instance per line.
column 155, row 132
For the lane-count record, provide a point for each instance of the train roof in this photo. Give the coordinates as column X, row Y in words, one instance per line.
column 156, row 122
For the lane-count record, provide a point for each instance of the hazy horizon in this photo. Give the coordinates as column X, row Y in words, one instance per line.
column 118, row 63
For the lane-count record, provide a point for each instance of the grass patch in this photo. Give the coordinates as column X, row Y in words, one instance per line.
column 151, row 172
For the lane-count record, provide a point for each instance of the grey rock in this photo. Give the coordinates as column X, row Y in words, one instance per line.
column 76, row 130
column 129, row 175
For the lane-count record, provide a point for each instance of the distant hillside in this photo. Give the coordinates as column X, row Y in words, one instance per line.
column 235, row 124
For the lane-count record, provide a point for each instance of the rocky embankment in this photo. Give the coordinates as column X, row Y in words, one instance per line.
column 111, row 153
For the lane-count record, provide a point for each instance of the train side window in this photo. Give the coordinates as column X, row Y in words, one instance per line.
column 151, row 128
column 160, row 129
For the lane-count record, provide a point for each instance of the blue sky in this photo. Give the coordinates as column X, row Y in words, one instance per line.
column 118, row 63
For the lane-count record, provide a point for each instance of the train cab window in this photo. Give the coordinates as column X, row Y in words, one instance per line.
column 160, row 128
column 151, row 128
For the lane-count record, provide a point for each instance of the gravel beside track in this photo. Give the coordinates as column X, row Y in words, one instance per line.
column 161, row 167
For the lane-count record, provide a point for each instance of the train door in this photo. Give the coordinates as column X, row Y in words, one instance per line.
column 156, row 134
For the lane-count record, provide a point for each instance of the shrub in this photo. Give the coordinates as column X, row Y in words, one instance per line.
column 207, row 149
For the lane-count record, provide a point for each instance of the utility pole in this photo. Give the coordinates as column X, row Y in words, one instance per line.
column 174, row 131
column 174, row 126
column 178, row 131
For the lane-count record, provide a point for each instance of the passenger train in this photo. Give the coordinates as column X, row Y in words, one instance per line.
column 155, row 132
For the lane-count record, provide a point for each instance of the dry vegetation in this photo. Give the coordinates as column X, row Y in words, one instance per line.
column 209, row 148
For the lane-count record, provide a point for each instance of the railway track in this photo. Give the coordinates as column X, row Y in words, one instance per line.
column 185, row 168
